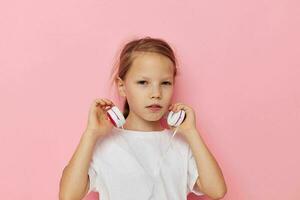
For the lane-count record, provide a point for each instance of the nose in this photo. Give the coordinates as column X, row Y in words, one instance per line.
column 156, row 92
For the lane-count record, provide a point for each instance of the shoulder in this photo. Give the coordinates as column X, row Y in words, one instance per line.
column 105, row 145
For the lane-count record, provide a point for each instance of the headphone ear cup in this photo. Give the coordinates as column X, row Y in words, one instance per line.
column 176, row 118
column 116, row 116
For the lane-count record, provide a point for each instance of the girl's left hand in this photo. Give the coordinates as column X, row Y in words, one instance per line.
column 190, row 119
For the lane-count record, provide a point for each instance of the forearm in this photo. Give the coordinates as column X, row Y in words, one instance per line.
column 75, row 175
column 211, row 178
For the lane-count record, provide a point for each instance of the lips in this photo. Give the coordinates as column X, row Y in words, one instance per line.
column 154, row 106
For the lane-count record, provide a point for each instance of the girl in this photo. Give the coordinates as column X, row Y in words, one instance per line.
column 134, row 162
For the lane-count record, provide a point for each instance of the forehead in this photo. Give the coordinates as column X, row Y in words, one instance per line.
column 151, row 65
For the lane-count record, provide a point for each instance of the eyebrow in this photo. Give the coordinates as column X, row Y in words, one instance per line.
column 168, row 77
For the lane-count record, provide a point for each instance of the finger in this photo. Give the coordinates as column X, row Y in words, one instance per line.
column 179, row 106
column 108, row 105
column 108, row 102
column 174, row 107
column 100, row 104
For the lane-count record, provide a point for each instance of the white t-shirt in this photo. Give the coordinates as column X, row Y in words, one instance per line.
column 125, row 164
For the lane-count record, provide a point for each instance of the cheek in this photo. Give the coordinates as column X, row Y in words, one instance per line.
column 130, row 91
column 135, row 95
column 168, row 91
column 135, row 92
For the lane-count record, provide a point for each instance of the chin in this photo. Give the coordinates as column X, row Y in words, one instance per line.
column 154, row 118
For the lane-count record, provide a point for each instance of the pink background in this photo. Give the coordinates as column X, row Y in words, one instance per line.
column 239, row 64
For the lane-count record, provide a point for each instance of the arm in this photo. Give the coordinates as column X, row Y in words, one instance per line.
column 74, row 182
column 211, row 181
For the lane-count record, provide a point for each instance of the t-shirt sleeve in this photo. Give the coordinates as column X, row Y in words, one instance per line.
column 92, row 173
column 192, row 175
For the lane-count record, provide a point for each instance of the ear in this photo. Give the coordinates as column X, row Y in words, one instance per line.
column 121, row 87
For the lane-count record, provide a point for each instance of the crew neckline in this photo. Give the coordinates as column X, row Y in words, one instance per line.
column 136, row 132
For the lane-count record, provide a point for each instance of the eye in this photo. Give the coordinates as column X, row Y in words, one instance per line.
column 141, row 82
column 167, row 83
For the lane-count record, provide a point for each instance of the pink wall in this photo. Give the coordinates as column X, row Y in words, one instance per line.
column 239, row 64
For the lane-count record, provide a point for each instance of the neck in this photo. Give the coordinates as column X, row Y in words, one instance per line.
column 138, row 124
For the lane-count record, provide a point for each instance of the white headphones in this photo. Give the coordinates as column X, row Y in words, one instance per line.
column 116, row 116
column 174, row 118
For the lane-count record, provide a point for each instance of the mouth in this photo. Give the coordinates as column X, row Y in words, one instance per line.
column 154, row 107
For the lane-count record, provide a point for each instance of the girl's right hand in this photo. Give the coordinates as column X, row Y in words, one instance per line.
column 98, row 122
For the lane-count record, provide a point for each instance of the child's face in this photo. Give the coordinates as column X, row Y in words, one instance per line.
column 148, row 81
